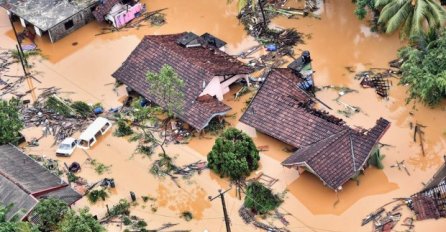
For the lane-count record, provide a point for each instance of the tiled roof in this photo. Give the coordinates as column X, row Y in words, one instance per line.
column 275, row 111
column 23, row 181
column 195, row 66
column 339, row 157
column 102, row 9
column 332, row 150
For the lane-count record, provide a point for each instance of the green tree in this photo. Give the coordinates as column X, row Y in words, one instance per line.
column 233, row 155
column 10, row 121
column 261, row 199
column 79, row 222
column 361, row 7
column 50, row 212
column 424, row 70
column 167, row 86
column 411, row 16
column 13, row 225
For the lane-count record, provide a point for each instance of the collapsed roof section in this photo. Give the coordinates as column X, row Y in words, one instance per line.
column 327, row 147
column 196, row 66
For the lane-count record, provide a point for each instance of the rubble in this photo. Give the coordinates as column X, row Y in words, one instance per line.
column 377, row 80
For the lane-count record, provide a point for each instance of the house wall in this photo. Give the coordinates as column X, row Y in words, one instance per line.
column 80, row 19
column 218, row 86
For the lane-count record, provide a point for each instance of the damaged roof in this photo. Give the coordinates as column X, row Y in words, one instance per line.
column 430, row 203
column 103, row 8
column 196, row 66
column 329, row 148
column 45, row 14
column 23, row 182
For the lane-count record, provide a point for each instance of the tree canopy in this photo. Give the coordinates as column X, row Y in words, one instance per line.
column 166, row 85
column 233, row 155
column 50, row 212
column 261, row 199
column 424, row 70
column 80, row 222
column 411, row 16
column 10, row 121
column 13, row 225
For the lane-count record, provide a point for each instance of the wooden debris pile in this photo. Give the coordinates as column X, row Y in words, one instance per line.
column 377, row 80
column 249, row 217
column 384, row 221
column 53, row 123
column 255, row 19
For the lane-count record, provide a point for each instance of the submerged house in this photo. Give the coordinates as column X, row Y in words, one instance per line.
column 430, row 203
column 206, row 72
column 118, row 12
column 23, row 182
column 326, row 146
column 58, row 18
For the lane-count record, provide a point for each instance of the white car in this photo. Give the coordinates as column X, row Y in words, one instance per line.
column 66, row 147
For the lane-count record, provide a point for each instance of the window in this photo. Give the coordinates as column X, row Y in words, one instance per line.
column 69, row 24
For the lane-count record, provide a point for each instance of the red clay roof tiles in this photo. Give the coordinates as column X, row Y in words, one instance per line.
column 196, row 66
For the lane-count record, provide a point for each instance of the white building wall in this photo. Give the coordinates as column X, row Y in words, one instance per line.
column 218, row 87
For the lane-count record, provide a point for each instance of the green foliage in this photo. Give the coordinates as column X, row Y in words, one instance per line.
column 140, row 224
column 424, row 70
column 123, row 129
column 376, row 159
column 126, row 220
column 10, row 121
column 82, row 108
column 80, row 222
column 122, row 208
column 13, row 225
column 187, row 215
column 261, row 199
column 57, row 105
column 96, row 195
column 411, row 16
column 71, row 177
column 50, row 212
column 167, row 85
column 100, row 168
column 361, row 7
column 162, row 166
column 233, row 155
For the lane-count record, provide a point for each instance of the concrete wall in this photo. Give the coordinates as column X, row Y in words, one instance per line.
column 219, row 87
column 59, row 31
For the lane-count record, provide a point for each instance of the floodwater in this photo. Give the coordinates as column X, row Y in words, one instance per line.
column 81, row 65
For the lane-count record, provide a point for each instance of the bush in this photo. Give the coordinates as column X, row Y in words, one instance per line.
column 10, row 121
column 82, row 108
column 261, row 199
column 95, row 195
column 424, row 70
column 234, row 155
column 123, row 129
column 122, row 208
column 81, row 222
column 50, row 212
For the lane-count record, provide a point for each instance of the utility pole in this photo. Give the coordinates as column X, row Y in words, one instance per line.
column 23, row 60
column 225, row 213
column 263, row 14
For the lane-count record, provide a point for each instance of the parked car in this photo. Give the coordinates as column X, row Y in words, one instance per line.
column 96, row 129
column 66, row 147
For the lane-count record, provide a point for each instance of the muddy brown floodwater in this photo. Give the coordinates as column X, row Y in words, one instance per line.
column 337, row 40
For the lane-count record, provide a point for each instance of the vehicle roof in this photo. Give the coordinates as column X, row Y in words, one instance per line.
column 93, row 128
column 68, row 140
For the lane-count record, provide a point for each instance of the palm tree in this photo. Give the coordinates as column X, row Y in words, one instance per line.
column 413, row 17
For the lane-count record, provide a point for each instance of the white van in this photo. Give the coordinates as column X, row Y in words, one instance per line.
column 89, row 137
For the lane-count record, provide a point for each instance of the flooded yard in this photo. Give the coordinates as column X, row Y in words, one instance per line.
column 81, row 65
